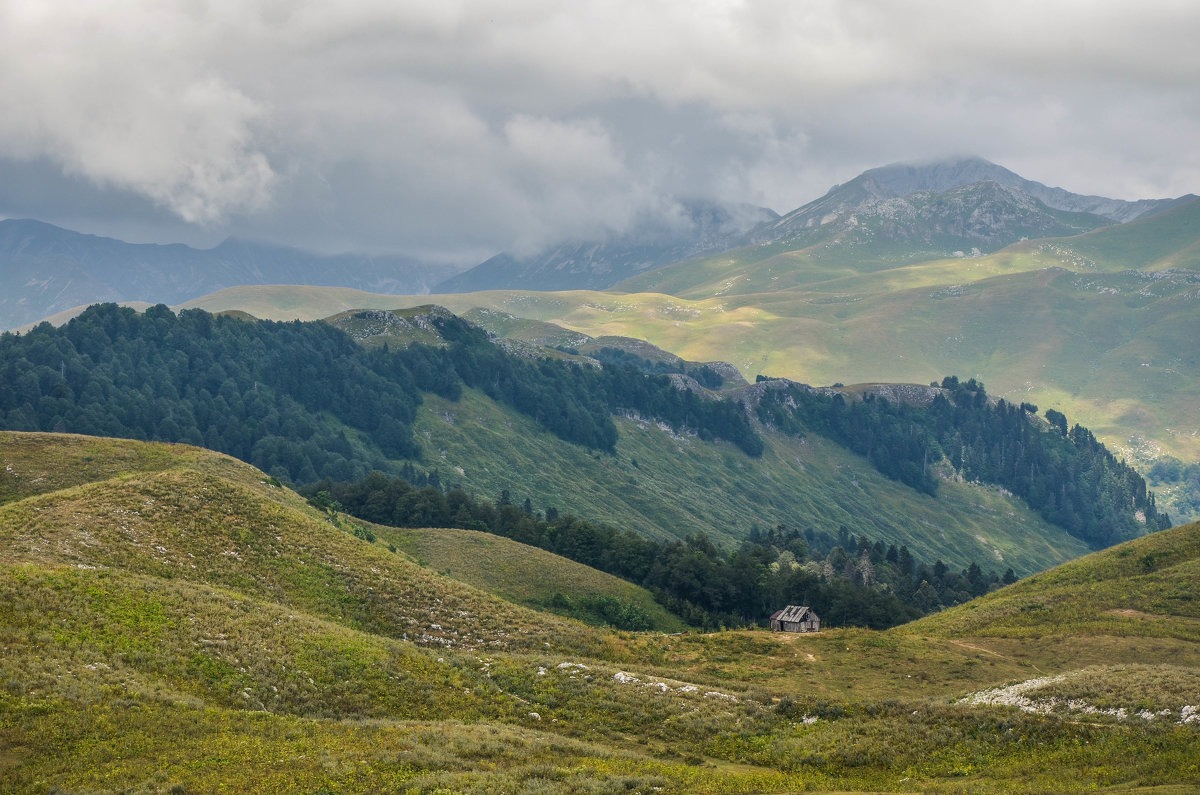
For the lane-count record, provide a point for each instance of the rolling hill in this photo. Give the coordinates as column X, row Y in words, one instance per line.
column 304, row 402
column 286, row 660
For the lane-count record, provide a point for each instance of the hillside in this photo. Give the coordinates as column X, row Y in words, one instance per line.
column 531, row 577
column 1141, row 589
column 660, row 483
column 212, row 520
column 284, row 661
column 610, row 443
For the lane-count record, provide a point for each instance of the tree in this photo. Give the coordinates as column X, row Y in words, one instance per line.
column 1057, row 420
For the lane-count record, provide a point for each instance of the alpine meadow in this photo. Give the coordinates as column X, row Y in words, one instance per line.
column 894, row 492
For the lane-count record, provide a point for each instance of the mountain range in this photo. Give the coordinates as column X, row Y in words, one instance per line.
column 904, row 274
column 518, row 541
column 45, row 269
column 892, row 215
column 905, row 211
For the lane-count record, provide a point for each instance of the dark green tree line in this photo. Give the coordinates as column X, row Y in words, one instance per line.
column 849, row 581
column 1067, row 476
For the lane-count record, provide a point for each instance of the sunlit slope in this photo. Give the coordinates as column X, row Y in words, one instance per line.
column 144, row 675
column 525, row 575
column 254, row 538
column 1169, row 239
column 1145, row 588
column 669, row 486
column 37, row 463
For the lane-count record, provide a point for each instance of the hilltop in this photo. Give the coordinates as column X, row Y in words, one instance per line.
column 296, row 655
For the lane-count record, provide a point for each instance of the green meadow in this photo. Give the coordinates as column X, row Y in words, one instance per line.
column 171, row 620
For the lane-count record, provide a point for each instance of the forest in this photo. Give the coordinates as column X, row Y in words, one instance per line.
column 304, row 402
column 1066, row 475
column 848, row 581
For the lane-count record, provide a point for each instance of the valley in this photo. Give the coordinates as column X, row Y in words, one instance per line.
column 516, row 540
column 171, row 619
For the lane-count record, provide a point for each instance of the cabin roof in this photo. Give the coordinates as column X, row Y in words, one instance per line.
column 793, row 613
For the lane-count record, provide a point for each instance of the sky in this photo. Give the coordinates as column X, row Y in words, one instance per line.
column 454, row 130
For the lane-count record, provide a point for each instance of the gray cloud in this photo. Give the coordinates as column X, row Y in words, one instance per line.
column 462, row 128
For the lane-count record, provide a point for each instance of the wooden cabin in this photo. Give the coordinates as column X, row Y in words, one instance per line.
column 795, row 618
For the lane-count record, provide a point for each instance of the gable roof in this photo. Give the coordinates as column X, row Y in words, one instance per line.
column 793, row 613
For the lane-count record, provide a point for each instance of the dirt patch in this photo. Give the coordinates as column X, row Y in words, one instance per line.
column 982, row 650
column 1127, row 613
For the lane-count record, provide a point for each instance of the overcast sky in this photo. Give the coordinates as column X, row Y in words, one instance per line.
column 463, row 128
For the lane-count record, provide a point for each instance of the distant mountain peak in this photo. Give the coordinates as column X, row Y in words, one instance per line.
column 45, row 269
column 903, row 179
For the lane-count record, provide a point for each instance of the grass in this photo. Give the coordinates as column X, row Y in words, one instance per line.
column 246, row 674
column 668, row 486
column 525, row 575
column 1143, row 588
column 186, row 523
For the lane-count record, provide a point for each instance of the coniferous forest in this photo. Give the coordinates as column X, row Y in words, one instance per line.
column 265, row 391
column 848, row 581
column 1068, row 476
column 304, row 402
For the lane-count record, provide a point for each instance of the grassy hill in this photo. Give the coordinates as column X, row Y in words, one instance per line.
column 527, row 576
column 221, row 523
column 1140, row 589
column 286, row 661
column 667, row 486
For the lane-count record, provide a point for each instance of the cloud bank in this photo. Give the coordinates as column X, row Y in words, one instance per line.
column 463, row 128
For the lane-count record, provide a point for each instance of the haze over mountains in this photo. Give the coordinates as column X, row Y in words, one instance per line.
column 45, row 269
column 903, row 212
column 692, row 228
column 175, row 619
column 934, row 208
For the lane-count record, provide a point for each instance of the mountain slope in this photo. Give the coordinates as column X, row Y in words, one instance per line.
column 528, row 576
column 142, row 676
column 666, row 485
column 694, row 227
column 1143, row 588
column 45, row 269
column 858, row 229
